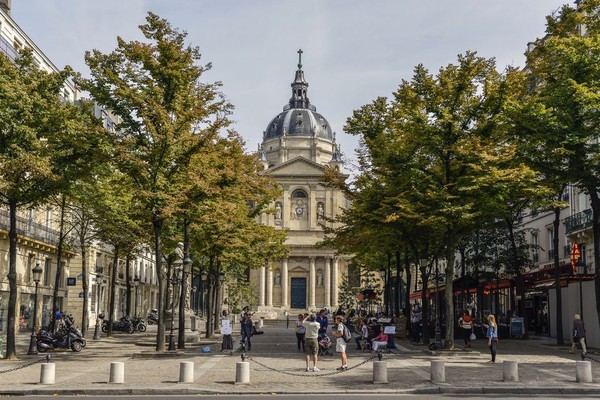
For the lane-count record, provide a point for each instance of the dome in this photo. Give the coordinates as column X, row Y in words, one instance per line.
column 299, row 122
column 299, row 117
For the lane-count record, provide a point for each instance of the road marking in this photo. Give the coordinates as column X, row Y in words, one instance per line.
column 556, row 374
column 207, row 366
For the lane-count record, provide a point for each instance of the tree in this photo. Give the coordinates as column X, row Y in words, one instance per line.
column 565, row 103
column 167, row 114
column 36, row 130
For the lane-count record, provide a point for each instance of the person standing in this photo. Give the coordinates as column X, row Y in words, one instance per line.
column 300, row 332
column 311, row 341
column 578, row 334
column 466, row 324
column 226, row 331
column 492, row 335
column 247, row 331
column 415, row 322
column 323, row 323
column 340, row 343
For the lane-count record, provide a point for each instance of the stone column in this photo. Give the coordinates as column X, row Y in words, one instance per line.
column 284, row 283
column 327, row 282
column 261, row 286
column 270, row 287
column 334, row 283
column 313, row 284
column 287, row 207
column 312, row 207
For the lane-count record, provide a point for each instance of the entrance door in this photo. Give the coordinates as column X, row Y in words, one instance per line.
column 299, row 293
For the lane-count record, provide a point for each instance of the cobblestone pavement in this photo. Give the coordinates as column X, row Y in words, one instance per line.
column 277, row 367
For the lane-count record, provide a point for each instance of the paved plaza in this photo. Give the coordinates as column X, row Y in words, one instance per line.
column 277, row 367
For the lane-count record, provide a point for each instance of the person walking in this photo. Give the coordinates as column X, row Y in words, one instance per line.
column 311, row 341
column 578, row 334
column 247, row 331
column 466, row 324
column 300, row 332
column 340, row 343
column 364, row 334
column 492, row 335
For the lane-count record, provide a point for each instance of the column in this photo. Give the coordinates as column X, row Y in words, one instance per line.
column 284, row 283
column 312, row 207
column 313, row 285
column 270, row 288
column 334, row 283
column 327, row 282
column 261, row 286
column 287, row 207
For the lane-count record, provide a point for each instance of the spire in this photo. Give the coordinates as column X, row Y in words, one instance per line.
column 299, row 97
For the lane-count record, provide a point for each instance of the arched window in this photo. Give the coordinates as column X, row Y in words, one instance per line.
column 299, row 194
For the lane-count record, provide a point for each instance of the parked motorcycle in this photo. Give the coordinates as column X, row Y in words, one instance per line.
column 153, row 317
column 124, row 325
column 138, row 324
column 67, row 337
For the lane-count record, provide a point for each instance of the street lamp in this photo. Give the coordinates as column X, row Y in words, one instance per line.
column 37, row 275
column 99, row 279
column 194, row 300
column 580, row 271
column 203, row 279
column 382, row 274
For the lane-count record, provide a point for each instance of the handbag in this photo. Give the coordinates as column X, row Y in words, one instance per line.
column 472, row 337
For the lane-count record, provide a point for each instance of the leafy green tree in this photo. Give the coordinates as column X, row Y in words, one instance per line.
column 38, row 148
column 167, row 114
column 562, row 116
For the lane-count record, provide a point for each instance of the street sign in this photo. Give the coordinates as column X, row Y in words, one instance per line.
column 575, row 255
column 71, row 281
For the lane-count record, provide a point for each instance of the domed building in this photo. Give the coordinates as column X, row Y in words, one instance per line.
column 297, row 146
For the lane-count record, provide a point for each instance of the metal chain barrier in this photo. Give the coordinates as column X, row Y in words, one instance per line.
column 245, row 357
column 46, row 359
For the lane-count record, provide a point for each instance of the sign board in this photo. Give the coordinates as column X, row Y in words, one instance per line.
column 71, row 281
column 516, row 327
column 389, row 330
column 226, row 327
column 81, row 295
column 401, row 327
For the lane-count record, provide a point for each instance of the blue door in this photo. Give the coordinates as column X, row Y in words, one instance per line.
column 299, row 293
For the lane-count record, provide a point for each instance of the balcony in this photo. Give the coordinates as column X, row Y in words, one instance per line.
column 7, row 48
column 579, row 221
column 30, row 229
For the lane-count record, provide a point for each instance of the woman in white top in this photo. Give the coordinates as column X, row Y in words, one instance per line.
column 300, row 332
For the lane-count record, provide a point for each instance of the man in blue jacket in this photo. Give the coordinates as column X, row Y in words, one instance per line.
column 324, row 322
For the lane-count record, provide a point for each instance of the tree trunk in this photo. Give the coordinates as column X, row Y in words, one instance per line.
column 406, row 310
column 520, row 279
column 209, row 309
column 84, row 286
column 113, row 287
column 559, row 323
column 128, row 287
column 424, row 306
column 398, row 288
column 11, row 353
column 595, row 200
column 59, row 255
column 157, row 223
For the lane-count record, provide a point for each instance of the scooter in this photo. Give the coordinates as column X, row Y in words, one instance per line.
column 124, row 324
column 153, row 317
column 64, row 340
column 138, row 324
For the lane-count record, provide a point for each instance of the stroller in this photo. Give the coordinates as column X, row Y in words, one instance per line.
column 325, row 346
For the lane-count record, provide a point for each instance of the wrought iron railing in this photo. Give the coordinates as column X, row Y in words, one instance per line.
column 30, row 229
column 578, row 221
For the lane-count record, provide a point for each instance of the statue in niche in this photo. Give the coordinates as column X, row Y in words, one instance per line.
column 278, row 211
column 320, row 211
column 319, row 278
column 277, row 278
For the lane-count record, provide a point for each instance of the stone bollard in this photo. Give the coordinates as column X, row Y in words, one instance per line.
column 242, row 373
column 438, row 371
column 186, row 372
column 583, row 371
column 47, row 374
column 117, row 372
column 510, row 371
column 380, row 372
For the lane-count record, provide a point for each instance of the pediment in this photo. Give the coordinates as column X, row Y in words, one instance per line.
column 298, row 269
column 297, row 166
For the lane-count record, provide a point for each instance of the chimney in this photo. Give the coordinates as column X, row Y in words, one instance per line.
column 5, row 5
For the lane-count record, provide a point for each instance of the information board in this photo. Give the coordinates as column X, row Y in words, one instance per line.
column 516, row 327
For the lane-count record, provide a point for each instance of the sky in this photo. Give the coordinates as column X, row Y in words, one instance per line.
column 353, row 50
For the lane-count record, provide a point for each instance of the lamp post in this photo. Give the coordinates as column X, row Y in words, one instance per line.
column 580, row 271
column 383, row 275
column 203, row 278
column 99, row 279
column 37, row 274
column 136, row 282
column 194, row 300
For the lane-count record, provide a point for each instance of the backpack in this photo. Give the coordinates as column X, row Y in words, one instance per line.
column 347, row 335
